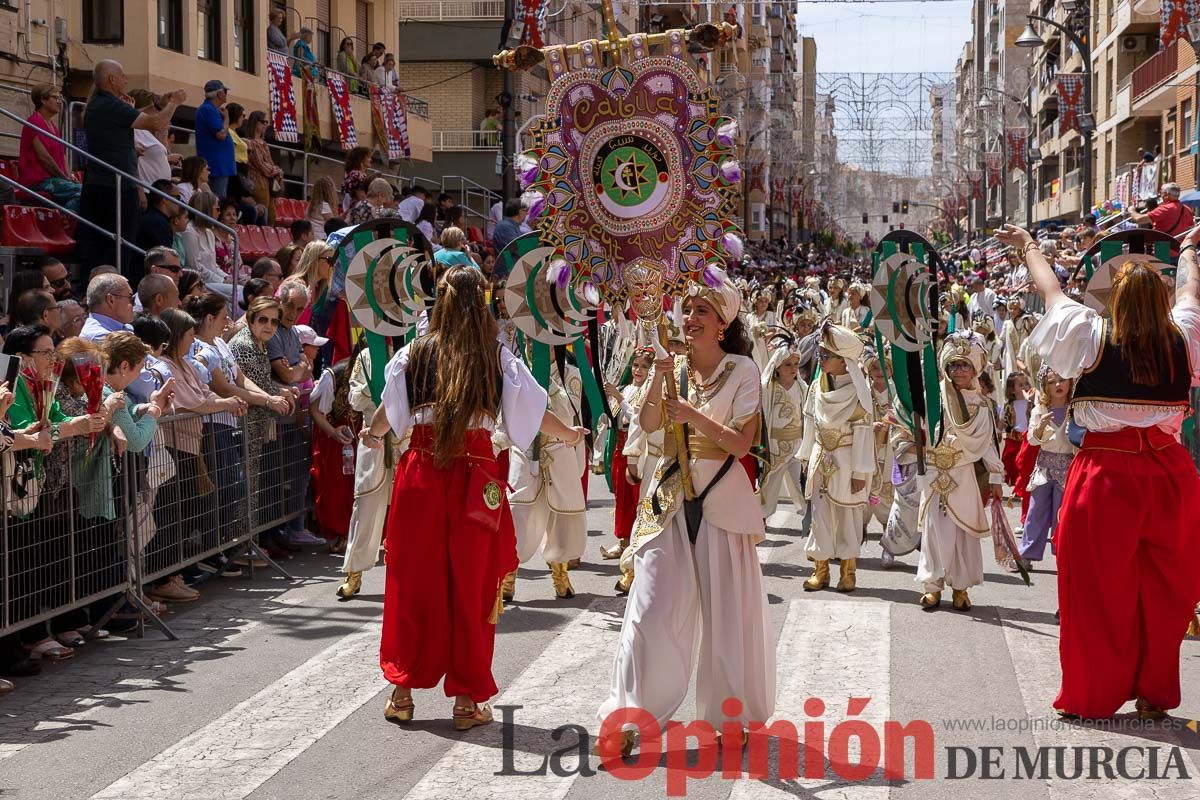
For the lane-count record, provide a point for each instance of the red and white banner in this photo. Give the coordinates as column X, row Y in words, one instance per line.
column 1016, row 140
column 797, row 196
column 1175, row 15
column 389, row 111
column 282, row 98
column 994, row 163
column 975, row 176
column 757, row 177
column 312, row 116
column 1070, row 102
column 778, row 191
column 343, row 115
column 533, row 15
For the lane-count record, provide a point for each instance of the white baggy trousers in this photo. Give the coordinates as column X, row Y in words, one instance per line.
column 712, row 592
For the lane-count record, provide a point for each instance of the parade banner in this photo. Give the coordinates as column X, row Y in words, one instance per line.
column 995, row 164
column 533, row 15
column 282, row 98
column 1070, row 102
column 758, row 182
column 1175, row 15
column 312, row 117
column 778, row 191
column 1016, row 141
column 975, row 177
column 389, row 115
column 343, row 115
column 797, row 196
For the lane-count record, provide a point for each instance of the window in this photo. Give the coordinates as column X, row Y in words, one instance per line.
column 1187, row 134
column 208, row 29
column 170, row 24
column 104, row 21
column 243, row 35
column 361, row 24
column 1169, row 133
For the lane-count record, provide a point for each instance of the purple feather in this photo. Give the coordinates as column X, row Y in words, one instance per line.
column 733, row 245
column 713, row 276
column 590, row 294
column 535, row 208
column 559, row 273
column 731, row 170
column 529, row 170
column 727, row 132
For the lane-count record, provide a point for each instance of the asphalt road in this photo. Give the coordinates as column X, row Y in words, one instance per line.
column 274, row 691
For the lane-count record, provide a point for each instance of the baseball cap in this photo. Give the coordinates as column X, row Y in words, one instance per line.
column 309, row 337
column 215, row 86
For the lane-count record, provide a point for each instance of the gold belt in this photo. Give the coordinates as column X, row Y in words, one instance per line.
column 832, row 439
column 702, row 447
column 790, row 434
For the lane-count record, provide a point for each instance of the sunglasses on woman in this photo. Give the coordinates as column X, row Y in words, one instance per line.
column 267, row 320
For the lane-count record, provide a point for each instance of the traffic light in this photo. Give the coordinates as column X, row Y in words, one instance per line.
column 865, row 220
column 895, row 207
column 885, row 217
column 904, row 207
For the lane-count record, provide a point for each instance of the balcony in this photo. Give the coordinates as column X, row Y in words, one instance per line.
column 439, row 10
column 1130, row 21
column 1155, row 72
column 461, row 141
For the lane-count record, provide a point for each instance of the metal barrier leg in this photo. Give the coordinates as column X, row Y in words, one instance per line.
column 255, row 550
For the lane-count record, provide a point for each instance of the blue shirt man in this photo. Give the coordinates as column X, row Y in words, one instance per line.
column 213, row 142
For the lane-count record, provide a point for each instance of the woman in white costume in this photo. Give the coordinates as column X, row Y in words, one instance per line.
column 839, row 456
column 953, row 517
column 856, row 312
column 783, row 409
column 374, row 474
column 881, row 491
column 700, row 588
column 760, row 319
column 546, row 494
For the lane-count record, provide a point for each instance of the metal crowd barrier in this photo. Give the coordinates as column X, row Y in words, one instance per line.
column 91, row 528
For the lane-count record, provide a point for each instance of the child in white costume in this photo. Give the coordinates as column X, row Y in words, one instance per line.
column 952, row 516
column 546, row 490
column 374, row 471
column 839, row 456
column 783, row 409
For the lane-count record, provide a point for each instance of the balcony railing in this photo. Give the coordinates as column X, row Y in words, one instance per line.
column 466, row 140
column 1072, row 180
column 449, row 9
column 1155, row 71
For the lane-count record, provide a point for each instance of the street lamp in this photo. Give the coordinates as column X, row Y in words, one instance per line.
column 1087, row 122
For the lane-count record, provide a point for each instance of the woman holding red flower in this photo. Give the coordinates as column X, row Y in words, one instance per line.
column 37, row 540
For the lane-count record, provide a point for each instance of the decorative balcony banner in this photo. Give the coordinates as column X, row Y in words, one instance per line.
column 995, row 164
column 389, row 115
column 1121, row 189
column 312, row 116
column 779, row 191
column 1016, row 141
column 1070, row 102
column 533, row 14
column 758, row 182
column 975, row 176
column 282, row 98
column 1175, row 15
column 797, row 196
column 343, row 115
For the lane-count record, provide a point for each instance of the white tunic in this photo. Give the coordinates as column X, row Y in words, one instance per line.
column 522, row 401
column 1069, row 339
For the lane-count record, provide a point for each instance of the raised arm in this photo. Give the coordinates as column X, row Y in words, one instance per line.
column 1187, row 272
column 1044, row 279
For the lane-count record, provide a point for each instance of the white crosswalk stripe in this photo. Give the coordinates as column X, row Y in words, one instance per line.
column 564, row 684
column 859, row 634
column 236, row 753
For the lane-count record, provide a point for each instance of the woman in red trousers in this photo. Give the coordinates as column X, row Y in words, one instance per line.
column 1128, row 551
column 451, row 546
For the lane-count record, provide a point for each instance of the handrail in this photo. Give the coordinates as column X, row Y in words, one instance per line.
column 121, row 175
column 18, row 186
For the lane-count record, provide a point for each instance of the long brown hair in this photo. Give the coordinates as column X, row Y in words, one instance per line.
column 1141, row 324
column 467, row 360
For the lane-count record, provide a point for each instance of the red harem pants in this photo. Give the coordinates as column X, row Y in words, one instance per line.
column 1128, row 570
column 625, row 494
column 1009, row 457
column 1026, row 461
column 443, row 572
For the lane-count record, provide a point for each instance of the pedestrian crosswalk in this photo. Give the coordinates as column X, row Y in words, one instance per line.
column 852, row 653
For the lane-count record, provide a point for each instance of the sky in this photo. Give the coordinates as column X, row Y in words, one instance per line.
column 886, row 36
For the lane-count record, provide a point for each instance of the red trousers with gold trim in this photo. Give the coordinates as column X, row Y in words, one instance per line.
column 443, row 571
column 1128, row 570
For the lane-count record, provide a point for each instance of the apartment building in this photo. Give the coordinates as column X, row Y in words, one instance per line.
column 168, row 44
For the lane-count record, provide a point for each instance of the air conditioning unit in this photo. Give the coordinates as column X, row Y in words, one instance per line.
column 1135, row 44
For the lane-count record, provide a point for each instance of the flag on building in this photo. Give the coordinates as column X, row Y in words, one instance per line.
column 1016, row 140
column 995, row 164
column 343, row 114
column 1175, row 15
column 779, row 191
column 533, row 15
column 312, row 117
column 282, row 98
column 1070, row 102
column 757, row 176
column 389, row 114
column 975, row 176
